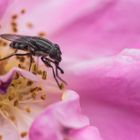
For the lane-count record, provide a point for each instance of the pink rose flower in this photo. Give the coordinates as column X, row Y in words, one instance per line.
column 92, row 36
column 24, row 96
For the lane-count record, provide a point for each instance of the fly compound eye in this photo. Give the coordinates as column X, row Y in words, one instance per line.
column 59, row 58
column 56, row 45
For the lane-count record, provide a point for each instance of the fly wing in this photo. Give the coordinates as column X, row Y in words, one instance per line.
column 13, row 37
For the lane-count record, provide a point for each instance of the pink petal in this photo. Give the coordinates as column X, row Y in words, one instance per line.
column 7, row 130
column 109, row 89
column 3, row 6
column 62, row 120
column 6, row 79
column 93, row 28
column 52, row 10
column 87, row 133
column 102, row 30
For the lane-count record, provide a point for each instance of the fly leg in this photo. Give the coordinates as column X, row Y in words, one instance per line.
column 37, row 63
column 26, row 54
column 56, row 70
column 16, row 51
column 32, row 49
column 8, row 56
column 47, row 63
column 31, row 60
column 57, row 67
column 14, row 54
column 19, row 54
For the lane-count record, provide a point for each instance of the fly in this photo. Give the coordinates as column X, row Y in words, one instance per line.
column 49, row 52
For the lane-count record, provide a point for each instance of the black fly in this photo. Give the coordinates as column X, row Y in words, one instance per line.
column 37, row 46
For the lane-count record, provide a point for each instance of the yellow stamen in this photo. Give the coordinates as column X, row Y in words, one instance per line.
column 41, row 34
column 44, row 75
column 12, row 118
column 29, row 25
column 23, row 134
column 29, row 83
column 1, row 137
column 62, row 86
column 19, row 93
column 43, row 97
column 16, row 103
column 39, row 72
column 23, row 11
column 28, row 110
column 14, row 16
column 11, row 96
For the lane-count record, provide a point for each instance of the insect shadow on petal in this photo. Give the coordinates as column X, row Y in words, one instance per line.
column 49, row 52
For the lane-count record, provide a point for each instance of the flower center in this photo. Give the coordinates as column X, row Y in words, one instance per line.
column 20, row 91
column 21, row 94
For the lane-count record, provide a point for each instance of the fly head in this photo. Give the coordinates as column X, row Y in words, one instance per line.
column 55, row 54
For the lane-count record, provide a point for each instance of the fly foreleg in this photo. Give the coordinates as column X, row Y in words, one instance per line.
column 57, row 66
column 47, row 63
column 56, row 70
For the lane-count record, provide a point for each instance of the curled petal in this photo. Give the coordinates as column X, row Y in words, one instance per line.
column 6, row 79
column 87, row 133
column 112, row 99
column 62, row 120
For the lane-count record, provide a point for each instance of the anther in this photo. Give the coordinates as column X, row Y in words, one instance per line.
column 22, row 11
column 14, row 17
column 1, row 105
column 29, row 83
column 29, row 25
column 39, row 89
column 21, row 66
column 1, row 137
column 11, row 97
column 33, row 89
column 15, row 29
column 16, row 76
column 13, row 24
column 61, row 86
column 23, row 134
column 4, row 44
column 21, row 59
column 44, row 75
column 28, row 110
column 39, row 72
column 41, row 34
column 12, row 85
column 12, row 118
column 16, row 103
column 34, row 67
column 34, row 94
column 43, row 96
